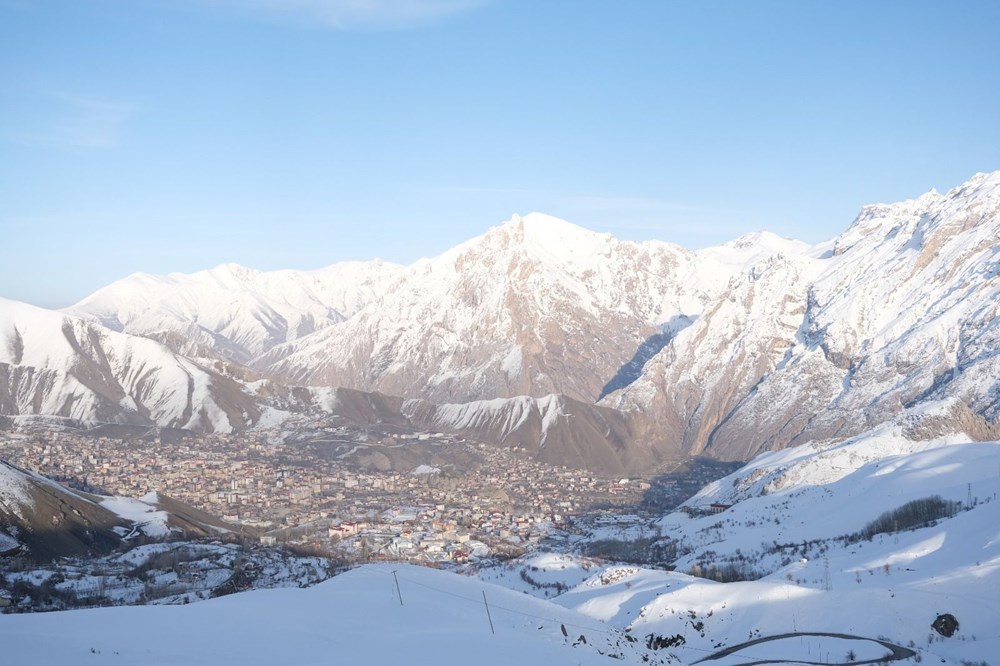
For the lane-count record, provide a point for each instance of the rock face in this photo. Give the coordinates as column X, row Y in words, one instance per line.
column 901, row 309
column 945, row 624
column 533, row 307
column 58, row 365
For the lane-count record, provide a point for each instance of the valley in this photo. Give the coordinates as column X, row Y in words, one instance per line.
column 354, row 493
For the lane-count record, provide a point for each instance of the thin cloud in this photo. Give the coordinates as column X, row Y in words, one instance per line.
column 91, row 122
column 357, row 14
column 76, row 121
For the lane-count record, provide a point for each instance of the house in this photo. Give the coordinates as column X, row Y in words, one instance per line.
column 718, row 508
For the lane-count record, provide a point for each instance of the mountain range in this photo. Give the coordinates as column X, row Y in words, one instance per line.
column 625, row 352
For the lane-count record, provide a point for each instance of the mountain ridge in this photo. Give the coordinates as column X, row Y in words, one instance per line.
column 757, row 344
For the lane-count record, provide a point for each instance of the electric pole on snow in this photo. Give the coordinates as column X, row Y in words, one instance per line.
column 398, row 593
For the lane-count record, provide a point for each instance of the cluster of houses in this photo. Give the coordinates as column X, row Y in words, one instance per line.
column 291, row 494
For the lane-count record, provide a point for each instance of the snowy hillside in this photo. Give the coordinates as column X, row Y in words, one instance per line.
column 838, row 545
column 902, row 309
column 354, row 618
column 233, row 311
column 59, row 365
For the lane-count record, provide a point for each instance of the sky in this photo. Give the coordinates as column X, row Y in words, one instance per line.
column 176, row 135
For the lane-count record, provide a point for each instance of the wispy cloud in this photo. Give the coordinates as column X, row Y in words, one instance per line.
column 357, row 14
column 77, row 121
column 92, row 122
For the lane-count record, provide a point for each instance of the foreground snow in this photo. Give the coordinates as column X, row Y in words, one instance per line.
column 354, row 618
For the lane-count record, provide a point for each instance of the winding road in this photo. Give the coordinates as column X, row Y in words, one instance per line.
column 897, row 651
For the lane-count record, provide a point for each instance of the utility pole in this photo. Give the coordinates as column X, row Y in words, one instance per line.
column 826, row 574
column 488, row 616
column 398, row 593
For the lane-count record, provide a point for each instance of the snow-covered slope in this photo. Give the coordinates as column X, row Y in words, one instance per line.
column 901, row 310
column 44, row 520
column 554, row 429
column 234, row 311
column 59, row 365
column 811, row 530
column 47, row 520
column 532, row 307
column 894, row 584
column 354, row 618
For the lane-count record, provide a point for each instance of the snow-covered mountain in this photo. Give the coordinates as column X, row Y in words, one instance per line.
column 534, row 306
column 236, row 312
column 757, row 344
column 902, row 308
column 59, row 365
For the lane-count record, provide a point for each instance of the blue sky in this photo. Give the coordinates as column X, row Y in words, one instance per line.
column 174, row 135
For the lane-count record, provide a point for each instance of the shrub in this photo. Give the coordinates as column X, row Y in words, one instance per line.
column 918, row 513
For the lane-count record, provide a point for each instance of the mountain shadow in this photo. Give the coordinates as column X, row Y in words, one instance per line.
column 649, row 348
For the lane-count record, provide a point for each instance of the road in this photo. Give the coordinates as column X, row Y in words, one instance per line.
column 897, row 651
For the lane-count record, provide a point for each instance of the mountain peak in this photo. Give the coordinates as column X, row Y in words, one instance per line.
column 233, row 271
column 550, row 239
column 546, row 228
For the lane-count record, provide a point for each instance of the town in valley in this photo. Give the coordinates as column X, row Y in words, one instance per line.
column 355, row 493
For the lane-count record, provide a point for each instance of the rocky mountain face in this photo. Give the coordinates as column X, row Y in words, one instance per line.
column 533, row 307
column 757, row 344
column 59, row 365
column 901, row 309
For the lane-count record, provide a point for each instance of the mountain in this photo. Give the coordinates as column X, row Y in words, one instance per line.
column 900, row 309
column 235, row 312
column 757, row 344
column 65, row 366
column 554, row 429
column 533, row 307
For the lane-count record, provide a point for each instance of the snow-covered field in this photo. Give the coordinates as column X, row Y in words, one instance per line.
column 355, row 618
